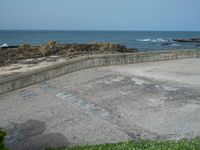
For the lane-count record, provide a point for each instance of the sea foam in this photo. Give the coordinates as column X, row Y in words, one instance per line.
column 4, row 45
column 151, row 40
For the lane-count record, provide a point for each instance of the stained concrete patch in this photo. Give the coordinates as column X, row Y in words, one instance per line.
column 105, row 105
column 31, row 136
column 27, row 94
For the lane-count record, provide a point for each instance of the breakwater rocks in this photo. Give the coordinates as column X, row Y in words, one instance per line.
column 191, row 40
column 13, row 55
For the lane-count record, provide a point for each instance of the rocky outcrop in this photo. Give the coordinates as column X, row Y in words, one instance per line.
column 26, row 51
column 191, row 40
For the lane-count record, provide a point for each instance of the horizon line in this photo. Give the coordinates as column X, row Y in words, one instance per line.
column 100, row 30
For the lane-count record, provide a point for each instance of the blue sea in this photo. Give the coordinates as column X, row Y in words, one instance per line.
column 142, row 40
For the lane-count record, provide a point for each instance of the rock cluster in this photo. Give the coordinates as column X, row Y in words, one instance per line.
column 191, row 40
column 26, row 51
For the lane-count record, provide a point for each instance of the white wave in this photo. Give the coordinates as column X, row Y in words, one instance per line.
column 152, row 40
column 143, row 40
column 174, row 44
column 4, row 45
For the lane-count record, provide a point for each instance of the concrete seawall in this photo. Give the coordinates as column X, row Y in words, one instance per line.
column 36, row 76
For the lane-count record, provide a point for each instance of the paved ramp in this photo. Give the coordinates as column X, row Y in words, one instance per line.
column 156, row 100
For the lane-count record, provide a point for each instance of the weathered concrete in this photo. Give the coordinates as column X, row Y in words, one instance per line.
column 39, row 75
column 157, row 100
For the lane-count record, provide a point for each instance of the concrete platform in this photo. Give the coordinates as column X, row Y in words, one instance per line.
column 155, row 100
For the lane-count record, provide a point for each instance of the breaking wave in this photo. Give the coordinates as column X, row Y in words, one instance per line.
column 4, row 45
column 151, row 40
column 175, row 44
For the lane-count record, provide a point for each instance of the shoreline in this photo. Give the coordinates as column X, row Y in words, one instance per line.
column 16, row 54
column 15, row 60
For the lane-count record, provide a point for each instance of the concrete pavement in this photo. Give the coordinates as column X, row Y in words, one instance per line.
column 155, row 100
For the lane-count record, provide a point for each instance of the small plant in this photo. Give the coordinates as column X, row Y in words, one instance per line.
column 2, row 144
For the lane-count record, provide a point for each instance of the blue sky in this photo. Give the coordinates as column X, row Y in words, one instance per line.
column 100, row 14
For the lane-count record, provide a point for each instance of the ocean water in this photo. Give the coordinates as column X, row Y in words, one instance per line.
column 142, row 40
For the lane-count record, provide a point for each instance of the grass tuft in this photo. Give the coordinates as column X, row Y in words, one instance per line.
column 193, row 144
column 2, row 144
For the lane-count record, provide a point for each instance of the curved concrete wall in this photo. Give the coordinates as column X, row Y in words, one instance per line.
column 36, row 76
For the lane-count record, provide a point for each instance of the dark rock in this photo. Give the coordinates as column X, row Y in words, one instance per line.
column 191, row 40
column 167, row 43
column 198, row 45
column 12, row 46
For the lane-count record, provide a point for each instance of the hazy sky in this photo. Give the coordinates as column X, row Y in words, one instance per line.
column 100, row 14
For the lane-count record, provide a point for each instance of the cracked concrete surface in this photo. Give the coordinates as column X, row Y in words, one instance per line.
column 156, row 100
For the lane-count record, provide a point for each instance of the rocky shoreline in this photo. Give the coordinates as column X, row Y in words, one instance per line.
column 34, row 54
